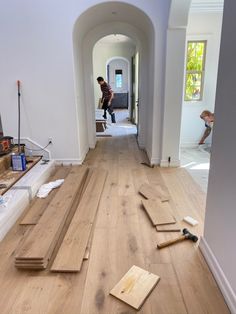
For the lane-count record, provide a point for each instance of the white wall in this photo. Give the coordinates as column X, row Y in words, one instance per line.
column 202, row 26
column 39, row 49
column 218, row 243
column 104, row 52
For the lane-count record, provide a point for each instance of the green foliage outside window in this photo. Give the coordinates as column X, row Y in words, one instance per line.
column 195, row 67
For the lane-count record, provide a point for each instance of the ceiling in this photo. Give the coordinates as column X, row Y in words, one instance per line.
column 116, row 39
column 197, row 6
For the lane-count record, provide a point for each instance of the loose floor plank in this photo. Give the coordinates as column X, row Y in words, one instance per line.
column 135, row 286
column 43, row 237
column 38, row 205
column 158, row 212
column 169, row 228
column 71, row 253
column 150, row 192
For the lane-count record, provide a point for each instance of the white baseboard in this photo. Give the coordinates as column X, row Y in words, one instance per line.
column 67, row 162
column 172, row 163
column 222, row 281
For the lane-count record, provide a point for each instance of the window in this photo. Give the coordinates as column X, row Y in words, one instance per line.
column 119, row 78
column 195, row 69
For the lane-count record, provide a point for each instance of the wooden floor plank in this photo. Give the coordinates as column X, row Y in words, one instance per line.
column 150, row 192
column 158, row 212
column 38, row 205
column 71, row 253
column 135, row 286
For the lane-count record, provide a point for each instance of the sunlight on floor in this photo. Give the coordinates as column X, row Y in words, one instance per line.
column 197, row 162
column 201, row 166
column 123, row 126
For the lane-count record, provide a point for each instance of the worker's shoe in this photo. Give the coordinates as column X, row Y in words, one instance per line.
column 113, row 118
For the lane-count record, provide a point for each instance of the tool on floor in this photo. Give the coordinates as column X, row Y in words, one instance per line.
column 187, row 235
column 18, row 159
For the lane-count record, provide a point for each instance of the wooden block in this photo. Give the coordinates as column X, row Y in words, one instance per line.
column 135, row 287
column 100, row 125
column 158, row 212
column 150, row 192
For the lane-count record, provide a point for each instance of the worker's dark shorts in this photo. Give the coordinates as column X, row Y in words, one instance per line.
column 106, row 107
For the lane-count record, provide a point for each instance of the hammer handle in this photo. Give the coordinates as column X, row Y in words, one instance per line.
column 167, row 243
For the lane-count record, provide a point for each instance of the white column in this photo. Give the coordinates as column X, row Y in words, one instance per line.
column 175, row 61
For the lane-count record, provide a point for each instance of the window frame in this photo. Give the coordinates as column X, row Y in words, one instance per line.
column 201, row 72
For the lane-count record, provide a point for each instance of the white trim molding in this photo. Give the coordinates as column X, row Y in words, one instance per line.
column 32, row 145
column 204, row 6
column 68, row 162
column 222, row 281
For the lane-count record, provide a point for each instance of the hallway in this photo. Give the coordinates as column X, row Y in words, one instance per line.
column 123, row 236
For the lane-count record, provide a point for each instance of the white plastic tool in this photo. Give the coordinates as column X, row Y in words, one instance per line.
column 190, row 220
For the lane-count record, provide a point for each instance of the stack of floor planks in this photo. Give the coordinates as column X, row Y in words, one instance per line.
column 72, row 207
column 158, row 208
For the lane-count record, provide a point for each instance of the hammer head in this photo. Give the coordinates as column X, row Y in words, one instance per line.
column 189, row 235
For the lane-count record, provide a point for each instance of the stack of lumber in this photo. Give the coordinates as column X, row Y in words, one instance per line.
column 72, row 251
column 38, row 247
column 62, row 222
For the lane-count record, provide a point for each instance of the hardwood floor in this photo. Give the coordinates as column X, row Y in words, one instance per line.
column 123, row 236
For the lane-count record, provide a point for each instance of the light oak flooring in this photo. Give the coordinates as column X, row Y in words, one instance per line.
column 123, row 236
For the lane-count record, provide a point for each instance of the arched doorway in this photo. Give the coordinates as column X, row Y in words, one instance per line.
column 111, row 18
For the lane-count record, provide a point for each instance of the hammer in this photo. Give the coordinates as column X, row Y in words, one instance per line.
column 186, row 235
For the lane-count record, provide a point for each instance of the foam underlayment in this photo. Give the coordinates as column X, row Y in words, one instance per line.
column 19, row 196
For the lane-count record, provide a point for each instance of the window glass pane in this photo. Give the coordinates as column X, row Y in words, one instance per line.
column 195, row 56
column 118, row 80
column 195, row 66
column 193, row 86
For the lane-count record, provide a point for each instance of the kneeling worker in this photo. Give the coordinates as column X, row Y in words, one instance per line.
column 208, row 118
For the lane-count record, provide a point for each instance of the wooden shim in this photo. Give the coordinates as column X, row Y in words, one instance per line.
column 38, row 205
column 135, row 287
column 71, row 253
column 158, row 212
column 150, row 192
column 41, row 240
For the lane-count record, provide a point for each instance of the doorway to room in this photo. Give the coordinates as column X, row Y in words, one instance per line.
column 115, row 58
